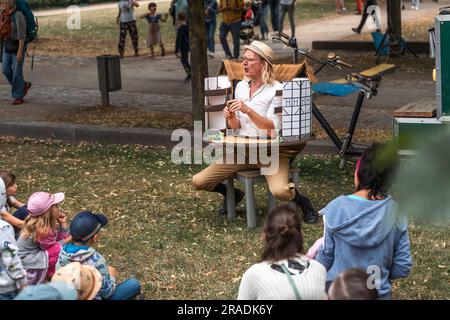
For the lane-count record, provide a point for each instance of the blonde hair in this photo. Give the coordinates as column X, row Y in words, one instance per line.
column 39, row 227
column 267, row 73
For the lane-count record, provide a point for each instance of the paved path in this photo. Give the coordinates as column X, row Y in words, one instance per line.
column 92, row 7
column 64, row 84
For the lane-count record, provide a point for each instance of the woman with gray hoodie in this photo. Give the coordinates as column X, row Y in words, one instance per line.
column 364, row 230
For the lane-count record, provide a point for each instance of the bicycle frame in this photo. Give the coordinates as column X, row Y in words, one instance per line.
column 344, row 146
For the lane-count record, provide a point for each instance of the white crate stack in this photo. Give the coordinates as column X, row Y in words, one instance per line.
column 217, row 93
column 296, row 110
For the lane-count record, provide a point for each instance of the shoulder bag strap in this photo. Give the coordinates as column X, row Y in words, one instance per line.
column 291, row 282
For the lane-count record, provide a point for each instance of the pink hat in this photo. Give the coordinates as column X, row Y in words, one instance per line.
column 40, row 202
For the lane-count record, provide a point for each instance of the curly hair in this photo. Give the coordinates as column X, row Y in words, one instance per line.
column 282, row 234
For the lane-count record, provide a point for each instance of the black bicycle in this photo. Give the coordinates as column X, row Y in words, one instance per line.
column 368, row 88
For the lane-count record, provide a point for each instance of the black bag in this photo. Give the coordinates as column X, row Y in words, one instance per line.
column 11, row 46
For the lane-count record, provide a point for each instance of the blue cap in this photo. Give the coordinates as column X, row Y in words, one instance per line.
column 85, row 225
column 57, row 290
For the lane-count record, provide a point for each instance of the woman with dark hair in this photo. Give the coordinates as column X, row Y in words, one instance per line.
column 364, row 230
column 284, row 272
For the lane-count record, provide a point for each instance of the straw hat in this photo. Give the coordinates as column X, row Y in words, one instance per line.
column 86, row 279
column 262, row 50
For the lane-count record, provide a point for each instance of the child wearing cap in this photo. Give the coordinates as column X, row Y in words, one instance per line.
column 41, row 237
column 84, row 230
column 12, row 273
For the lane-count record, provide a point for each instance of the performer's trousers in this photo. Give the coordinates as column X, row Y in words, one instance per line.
column 278, row 183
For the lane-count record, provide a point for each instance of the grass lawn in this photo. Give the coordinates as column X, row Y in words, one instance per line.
column 99, row 33
column 170, row 236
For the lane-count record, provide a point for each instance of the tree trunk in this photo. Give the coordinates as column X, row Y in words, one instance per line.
column 199, row 61
column 394, row 13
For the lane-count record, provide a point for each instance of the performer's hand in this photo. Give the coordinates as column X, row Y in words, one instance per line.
column 227, row 114
column 238, row 105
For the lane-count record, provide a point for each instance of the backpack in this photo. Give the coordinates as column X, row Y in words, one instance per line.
column 5, row 25
column 32, row 22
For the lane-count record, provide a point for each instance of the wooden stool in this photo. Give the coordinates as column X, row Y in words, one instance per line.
column 249, row 179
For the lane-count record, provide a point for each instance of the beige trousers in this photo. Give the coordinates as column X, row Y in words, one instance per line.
column 278, row 183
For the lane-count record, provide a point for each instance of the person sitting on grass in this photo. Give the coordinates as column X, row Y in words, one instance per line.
column 84, row 229
column 16, row 219
column 284, row 272
column 352, row 284
column 40, row 240
column 154, row 32
column 12, row 273
column 364, row 230
column 72, row 282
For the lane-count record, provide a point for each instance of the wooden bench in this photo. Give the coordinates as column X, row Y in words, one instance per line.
column 249, row 179
column 425, row 108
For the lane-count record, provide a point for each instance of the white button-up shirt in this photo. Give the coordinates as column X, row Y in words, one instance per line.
column 263, row 102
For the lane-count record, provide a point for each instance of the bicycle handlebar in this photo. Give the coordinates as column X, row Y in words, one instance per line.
column 345, row 64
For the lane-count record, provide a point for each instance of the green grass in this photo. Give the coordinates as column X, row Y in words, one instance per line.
column 99, row 32
column 170, row 236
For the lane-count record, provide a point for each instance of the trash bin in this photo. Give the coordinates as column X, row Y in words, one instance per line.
column 109, row 77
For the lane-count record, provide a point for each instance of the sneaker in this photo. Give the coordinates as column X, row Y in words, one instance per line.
column 356, row 30
column 18, row 101
column 26, row 88
column 229, row 57
column 238, row 196
column 210, row 55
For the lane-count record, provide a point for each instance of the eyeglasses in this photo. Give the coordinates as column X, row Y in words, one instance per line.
column 248, row 59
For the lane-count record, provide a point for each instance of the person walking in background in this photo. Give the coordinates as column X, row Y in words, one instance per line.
column 415, row 4
column 359, row 6
column 172, row 9
column 365, row 14
column 211, row 9
column 284, row 272
column 13, row 33
column 287, row 6
column 340, row 6
column 263, row 12
column 274, row 14
column 127, row 21
column 154, row 33
column 231, row 22
column 182, row 46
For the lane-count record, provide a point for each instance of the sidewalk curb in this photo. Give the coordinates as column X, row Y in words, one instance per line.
column 77, row 133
